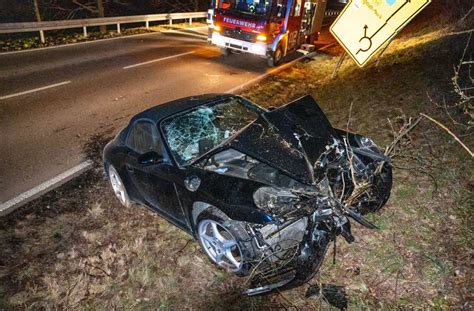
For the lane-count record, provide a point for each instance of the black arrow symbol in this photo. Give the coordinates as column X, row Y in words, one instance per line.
column 390, row 17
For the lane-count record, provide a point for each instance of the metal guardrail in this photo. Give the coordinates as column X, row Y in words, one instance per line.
column 89, row 22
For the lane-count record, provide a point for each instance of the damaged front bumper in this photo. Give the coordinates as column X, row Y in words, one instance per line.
column 307, row 220
column 292, row 253
column 292, row 259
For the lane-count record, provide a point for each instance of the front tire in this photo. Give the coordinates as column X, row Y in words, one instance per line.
column 275, row 59
column 225, row 241
column 226, row 52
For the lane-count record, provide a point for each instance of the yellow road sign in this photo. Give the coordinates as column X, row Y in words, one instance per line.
column 365, row 26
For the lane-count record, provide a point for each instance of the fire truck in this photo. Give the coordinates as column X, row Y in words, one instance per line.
column 267, row 28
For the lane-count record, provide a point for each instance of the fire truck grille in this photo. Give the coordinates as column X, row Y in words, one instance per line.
column 239, row 35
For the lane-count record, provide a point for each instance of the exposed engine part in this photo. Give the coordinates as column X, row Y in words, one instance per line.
column 308, row 219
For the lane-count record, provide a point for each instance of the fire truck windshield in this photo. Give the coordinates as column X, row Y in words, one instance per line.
column 257, row 7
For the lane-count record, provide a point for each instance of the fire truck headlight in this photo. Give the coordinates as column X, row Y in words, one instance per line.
column 217, row 28
column 258, row 48
column 262, row 38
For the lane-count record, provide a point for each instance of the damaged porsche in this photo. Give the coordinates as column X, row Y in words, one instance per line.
column 265, row 192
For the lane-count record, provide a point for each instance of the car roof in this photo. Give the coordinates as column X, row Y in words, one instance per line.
column 160, row 112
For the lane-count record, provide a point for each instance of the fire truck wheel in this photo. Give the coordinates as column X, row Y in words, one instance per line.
column 275, row 60
column 226, row 52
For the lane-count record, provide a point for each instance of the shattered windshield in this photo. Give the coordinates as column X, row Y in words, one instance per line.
column 258, row 7
column 193, row 133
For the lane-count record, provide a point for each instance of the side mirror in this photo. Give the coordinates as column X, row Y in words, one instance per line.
column 150, row 158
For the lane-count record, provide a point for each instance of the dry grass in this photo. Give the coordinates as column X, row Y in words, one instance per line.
column 80, row 250
column 101, row 255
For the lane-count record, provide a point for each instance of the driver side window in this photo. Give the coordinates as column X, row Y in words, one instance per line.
column 144, row 137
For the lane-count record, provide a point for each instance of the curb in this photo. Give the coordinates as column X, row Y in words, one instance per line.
column 36, row 192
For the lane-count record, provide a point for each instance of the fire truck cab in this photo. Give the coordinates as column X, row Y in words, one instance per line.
column 268, row 28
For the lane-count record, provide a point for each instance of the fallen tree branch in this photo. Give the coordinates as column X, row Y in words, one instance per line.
column 403, row 131
column 449, row 132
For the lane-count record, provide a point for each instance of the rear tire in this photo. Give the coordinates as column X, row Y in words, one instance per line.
column 118, row 187
column 214, row 247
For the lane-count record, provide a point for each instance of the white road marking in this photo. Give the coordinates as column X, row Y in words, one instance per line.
column 157, row 60
column 35, row 90
column 37, row 191
column 184, row 33
column 273, row 71
column 77, row 43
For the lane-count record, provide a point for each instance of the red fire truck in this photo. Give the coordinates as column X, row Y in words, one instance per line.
column 268, row 28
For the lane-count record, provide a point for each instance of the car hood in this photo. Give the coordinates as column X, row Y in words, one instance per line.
column 290, row 138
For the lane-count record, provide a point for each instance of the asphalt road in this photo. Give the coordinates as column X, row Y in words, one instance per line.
column 99, row 86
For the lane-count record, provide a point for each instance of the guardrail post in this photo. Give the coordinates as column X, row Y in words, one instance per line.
column 118, row 28
column 147, row 25
column 84, row 30
column 170, row 19
column 190, row 21
column 42, row 36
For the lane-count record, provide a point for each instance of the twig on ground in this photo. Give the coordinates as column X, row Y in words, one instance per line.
column 465, row 16
column 449, row 132
column 406, row 128
column 182, row 248
column 339, row 64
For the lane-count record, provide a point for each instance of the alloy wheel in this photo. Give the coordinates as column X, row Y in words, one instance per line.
column 220, row 245
column 117, row 186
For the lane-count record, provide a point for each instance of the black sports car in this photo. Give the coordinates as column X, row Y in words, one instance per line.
column 263, row 191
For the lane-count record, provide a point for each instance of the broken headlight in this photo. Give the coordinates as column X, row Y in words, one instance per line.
column 273, row 200
column 365, row 142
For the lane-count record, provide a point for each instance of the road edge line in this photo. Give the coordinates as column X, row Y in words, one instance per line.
column 196, row 35
column 271, row 72
column 34, row 193
column 85, row 42
column 78, row 43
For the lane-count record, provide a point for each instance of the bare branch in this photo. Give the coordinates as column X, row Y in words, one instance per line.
column 449, row 132
column 90, row 6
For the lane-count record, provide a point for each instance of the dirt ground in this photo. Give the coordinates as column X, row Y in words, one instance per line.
column 77, row 248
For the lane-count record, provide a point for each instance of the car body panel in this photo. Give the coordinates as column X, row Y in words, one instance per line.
column 290, row 138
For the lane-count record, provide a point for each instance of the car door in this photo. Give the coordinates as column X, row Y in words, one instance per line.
column 294, row 24
column 154, row 181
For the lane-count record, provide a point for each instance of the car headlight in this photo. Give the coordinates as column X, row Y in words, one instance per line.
column 273, row 200
column 365, row 142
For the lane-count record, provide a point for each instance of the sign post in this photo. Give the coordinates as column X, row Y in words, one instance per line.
column 364, row 27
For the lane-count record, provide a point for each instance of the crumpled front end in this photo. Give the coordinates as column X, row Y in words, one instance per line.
column 307, row 218
column 314, row 181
